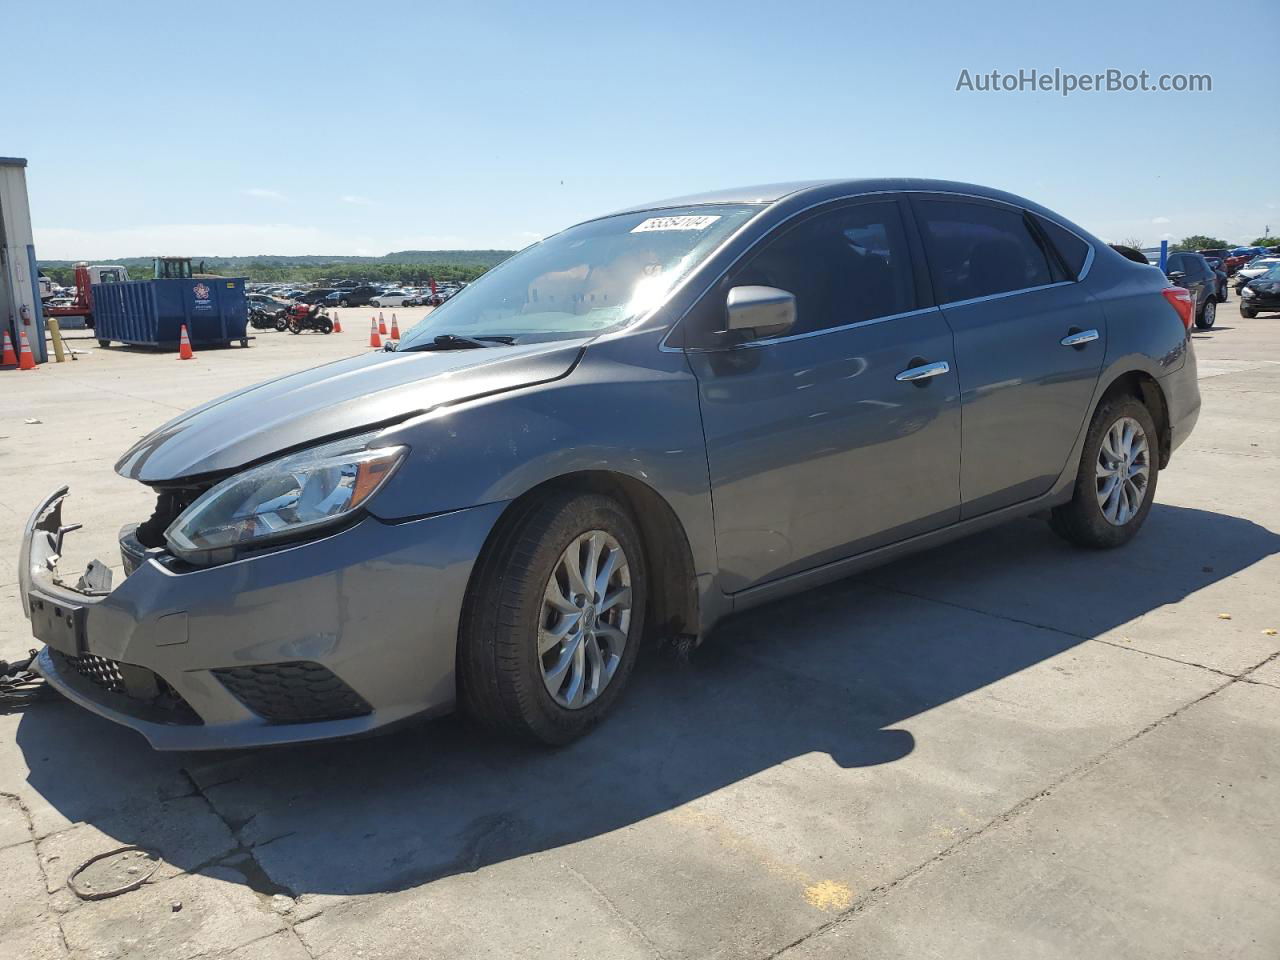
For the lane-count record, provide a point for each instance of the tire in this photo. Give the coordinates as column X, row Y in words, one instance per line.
column 1208, row 313
column 294, row 326
column 1082, row 520
column 344, row 303
column 104, row 344
column 326, row 326
column 1247, row 312
column 504, row 683
column 282, row 324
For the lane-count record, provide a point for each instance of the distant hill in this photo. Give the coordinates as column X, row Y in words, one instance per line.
column 404, row 266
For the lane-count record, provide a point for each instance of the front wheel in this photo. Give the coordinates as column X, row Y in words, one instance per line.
column 553, row 618
column 1247, row 312
column 282, row 324
column 1208, row 313
column 1116, row 481
column 326, row 325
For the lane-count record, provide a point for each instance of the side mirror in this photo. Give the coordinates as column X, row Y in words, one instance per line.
column 760, row 311
column 1177, row 276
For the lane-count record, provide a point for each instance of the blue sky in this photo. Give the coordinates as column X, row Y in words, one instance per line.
column 316, row 127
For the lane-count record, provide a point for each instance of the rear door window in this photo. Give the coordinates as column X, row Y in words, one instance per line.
column 978, row 249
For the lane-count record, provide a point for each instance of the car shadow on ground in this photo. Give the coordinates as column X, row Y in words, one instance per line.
column 840, row 671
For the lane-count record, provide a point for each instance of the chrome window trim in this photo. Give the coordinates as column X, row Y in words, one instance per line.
column 1006, row 293
column 665, row 348
column 787, row 338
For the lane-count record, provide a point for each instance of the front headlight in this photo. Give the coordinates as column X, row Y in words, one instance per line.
column 281, row 499
column 1247, row 292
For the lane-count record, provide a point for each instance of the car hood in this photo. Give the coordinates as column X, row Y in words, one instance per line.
column 338, row 398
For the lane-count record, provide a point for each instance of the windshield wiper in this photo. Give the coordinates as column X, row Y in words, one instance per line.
column 457, row 341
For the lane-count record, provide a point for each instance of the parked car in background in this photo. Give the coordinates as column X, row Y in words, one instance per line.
column 318, row 295
column 356, row 296
column 392, row 298
column 1261, row 294
column 272, row 305
column 1192, row 272
column 817, row 359
column 1254, row 268
column 1232, row 260
column 1220, row 272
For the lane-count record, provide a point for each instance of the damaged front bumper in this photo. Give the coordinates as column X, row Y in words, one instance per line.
column 332, row 637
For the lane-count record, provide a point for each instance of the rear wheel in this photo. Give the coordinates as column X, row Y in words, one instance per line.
column 1116, row 481
column 553, row 618
column 294, row 326
column 104, row 344
column 1208, row 313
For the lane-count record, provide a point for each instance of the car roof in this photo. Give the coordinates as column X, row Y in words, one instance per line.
column 821, row 189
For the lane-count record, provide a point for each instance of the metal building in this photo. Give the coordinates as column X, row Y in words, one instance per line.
column 19, row 275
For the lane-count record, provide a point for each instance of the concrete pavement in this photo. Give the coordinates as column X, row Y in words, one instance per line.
column 1005, row 747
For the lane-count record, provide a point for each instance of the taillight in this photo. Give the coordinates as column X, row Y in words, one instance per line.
column 1180, row 299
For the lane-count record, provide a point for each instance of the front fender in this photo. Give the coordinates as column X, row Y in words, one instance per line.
column 627, row 408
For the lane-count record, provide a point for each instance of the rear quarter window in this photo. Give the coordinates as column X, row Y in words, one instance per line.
column 1073, row 250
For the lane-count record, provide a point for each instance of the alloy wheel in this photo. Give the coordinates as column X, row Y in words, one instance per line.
column 586, row 615
column 1123, row 469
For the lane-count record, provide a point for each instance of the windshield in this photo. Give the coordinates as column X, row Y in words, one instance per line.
column 590, row 278
column 1273, row 272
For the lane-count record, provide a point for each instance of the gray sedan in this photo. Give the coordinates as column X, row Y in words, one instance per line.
column 620, row 435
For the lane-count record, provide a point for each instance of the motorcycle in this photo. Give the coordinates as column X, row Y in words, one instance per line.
column 308, row 317
column 261, row 319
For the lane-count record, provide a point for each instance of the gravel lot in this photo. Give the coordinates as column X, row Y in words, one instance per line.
column 1003, row 748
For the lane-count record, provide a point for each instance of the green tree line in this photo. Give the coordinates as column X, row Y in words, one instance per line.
column 409, row 267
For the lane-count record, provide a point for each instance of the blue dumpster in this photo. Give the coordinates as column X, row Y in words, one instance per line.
column 152, row 312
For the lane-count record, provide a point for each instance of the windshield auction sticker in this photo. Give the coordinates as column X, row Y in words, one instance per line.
column 674, row 223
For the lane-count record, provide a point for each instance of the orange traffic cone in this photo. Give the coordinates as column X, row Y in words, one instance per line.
column 395, row 328
column 382, row 324
column 337, row 324
column 374, row 339
column 184, row 345
column 26, row 359
column 10, row 358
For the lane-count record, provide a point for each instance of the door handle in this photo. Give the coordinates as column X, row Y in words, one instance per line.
column 1080, row 338
column 924, row 371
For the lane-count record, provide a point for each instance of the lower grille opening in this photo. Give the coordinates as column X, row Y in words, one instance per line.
column 297, row 692
column 131, row 689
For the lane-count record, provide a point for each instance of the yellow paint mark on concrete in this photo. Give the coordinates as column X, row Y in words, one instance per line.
column 828, row 895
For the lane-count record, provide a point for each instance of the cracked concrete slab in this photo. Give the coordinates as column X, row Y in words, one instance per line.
column 504, row 913
column 218, row 914
column 185, row 833
column 279, row 946
column 13, row 822
column 21, row 889
column 41, row 940
column 1130, row 860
